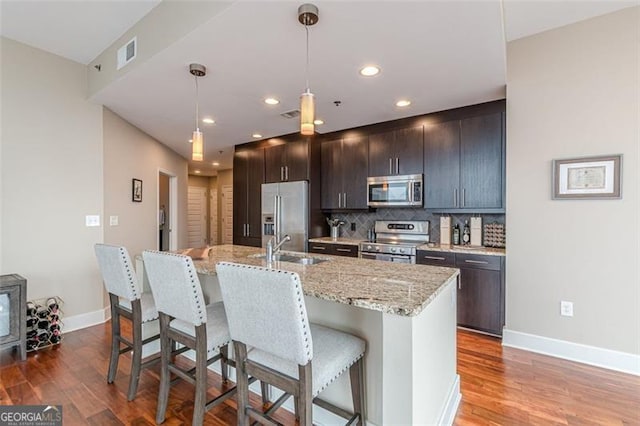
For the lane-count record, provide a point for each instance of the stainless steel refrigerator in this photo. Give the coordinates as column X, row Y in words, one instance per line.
column 285, row 211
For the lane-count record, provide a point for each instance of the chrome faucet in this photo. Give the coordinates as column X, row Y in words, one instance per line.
column 271, row 249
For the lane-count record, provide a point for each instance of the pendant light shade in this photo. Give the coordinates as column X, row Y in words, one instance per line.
column 197, row 140
column 197, row 153
column 307, row 113
column 307, row 15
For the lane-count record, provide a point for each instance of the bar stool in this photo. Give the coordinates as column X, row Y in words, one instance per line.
column 266, row 312
column 185, row 319
column 127, row 300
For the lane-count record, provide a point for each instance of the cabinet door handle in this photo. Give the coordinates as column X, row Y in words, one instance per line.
column 390, row 166
column 281, row 173
column 339, row 200
column 248, row 231
column 455, row 197
column 286, row 173
column 318, row 248
column 434, row 257
column 397, row 165
column 344, row 199
column 464, row 195
column 477, row 262
column 344, row 250
column 459, row 283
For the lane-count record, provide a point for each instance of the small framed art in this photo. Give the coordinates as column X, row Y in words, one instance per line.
column 587, row 178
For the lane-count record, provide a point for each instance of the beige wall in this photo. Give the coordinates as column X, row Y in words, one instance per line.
column 574, row 92
column 130, row 153
column 51, row 177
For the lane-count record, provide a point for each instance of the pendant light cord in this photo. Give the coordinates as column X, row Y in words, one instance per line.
column 306, row 27
column 197, row 104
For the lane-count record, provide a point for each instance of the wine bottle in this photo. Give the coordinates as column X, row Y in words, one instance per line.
column 32, row 333
column 466, row 233
column 456, row 235
column 31, row 309
column 44, row 324
column 43, row 312
column 32, row 321
column 53, row 304
column 32, row 344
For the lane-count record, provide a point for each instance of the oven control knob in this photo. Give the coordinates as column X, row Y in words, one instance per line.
column 377, row 248
column 400, row 250
column 393, row 249
column 369, row 247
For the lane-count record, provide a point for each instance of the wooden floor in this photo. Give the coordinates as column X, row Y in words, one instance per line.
column 500, row 386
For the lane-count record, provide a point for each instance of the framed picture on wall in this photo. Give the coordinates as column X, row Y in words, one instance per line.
column 136, row 190
column 587, row 178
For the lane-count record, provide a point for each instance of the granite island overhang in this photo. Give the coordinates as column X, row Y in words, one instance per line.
column 407, row 315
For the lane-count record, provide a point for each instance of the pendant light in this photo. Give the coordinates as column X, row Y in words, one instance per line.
column 307, row 15
column 197, row 152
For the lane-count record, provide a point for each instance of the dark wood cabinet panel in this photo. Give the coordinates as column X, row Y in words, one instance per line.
column 442, row 165
column 248, row 177
column 396, row 152
column 287, row 162
column 480, row 287
column 331, row 174
column 464, row 164
column 344, row 174
column 479, row 296
column 481, row 153
column 346, row 250
column 409, row 149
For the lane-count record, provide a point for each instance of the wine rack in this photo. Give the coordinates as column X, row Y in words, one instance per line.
column 44, row 323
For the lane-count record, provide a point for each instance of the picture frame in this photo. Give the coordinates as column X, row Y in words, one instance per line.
column 587, row 178
column 136, row 190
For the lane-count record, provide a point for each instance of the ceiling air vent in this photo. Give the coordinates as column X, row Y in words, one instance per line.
column 291, row 114
column 127, row 53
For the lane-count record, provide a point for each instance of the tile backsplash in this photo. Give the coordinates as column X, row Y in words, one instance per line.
column 365, row 220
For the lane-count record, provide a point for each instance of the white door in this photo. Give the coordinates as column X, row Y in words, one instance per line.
column 197, row 216
column 213, row 217
column 227, row 214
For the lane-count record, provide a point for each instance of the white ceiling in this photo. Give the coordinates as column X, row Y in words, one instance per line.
column 439, row 54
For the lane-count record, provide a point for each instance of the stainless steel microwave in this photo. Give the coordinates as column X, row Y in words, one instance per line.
column 394, row 191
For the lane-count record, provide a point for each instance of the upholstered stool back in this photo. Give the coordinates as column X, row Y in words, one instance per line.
column 117, row 272
column 175, row 286
column 266, row 310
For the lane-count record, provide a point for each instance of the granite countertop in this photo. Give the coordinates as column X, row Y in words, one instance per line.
column 400, row 289
column 491, row 251
column 329, row 240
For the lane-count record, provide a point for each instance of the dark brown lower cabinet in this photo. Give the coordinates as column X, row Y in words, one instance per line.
column 334, row 249
column 480, row 289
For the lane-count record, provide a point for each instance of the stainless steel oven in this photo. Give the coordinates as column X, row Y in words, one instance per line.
column 397, row 258
column 394, row 191
column 396, row 241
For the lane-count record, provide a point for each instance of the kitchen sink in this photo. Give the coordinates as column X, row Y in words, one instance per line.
column 302, row 260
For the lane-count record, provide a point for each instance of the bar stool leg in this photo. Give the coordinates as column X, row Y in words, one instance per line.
column 115, row 338
column 201, row 375
column 305, row 405
column 242, row 382
column 356, row 375
column 265, row 393
column 224, row 366
column 136, row 356
column 165, row 376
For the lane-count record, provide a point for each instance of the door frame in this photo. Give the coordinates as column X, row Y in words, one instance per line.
column 173, row 207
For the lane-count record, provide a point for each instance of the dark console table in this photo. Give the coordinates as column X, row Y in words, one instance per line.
column 13, row 313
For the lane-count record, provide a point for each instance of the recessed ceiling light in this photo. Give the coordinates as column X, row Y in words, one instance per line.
column 197, row 172
column 271, row 101
column 208, row 120
column 190, row 140
column 318, row 122
column 256, row 135
column 215, row 163
column 403, row 103
column 369, row 71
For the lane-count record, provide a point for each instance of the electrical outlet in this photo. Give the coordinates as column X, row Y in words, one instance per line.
column 566, row 308
column 92, row 220
column 113, row 220
column 353, row 226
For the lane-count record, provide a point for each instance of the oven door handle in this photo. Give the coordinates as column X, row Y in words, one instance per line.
column 371, row 256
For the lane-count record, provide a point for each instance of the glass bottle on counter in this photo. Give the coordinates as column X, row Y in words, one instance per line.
column 466, row 233
column 456, row 235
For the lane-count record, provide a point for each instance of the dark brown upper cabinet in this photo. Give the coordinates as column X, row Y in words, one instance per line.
column 344, row 174
column 464, row 164
column 396, row 152
column 287, row 162
column 248, row 177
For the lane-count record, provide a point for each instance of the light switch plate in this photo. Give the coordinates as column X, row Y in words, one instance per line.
column 113, row 220
column 92, row 220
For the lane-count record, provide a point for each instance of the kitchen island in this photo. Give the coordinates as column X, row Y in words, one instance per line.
column 407, row 315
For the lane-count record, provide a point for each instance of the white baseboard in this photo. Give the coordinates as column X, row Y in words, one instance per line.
column 451, row 406
column 592, row 355
column 88, row 319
